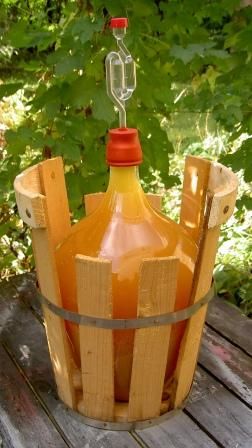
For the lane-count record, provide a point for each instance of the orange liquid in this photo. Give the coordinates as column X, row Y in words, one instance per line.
column 125, row 229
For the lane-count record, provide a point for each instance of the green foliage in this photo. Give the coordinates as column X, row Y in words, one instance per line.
column 192, row 56
column 233, row 273
column 241, row 159
column 178, row 43
column 236, row 285
column 9, row 89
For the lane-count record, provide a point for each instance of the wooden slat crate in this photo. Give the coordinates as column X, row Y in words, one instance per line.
column 208, row 200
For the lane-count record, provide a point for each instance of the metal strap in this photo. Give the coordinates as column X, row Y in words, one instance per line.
column 125, row 324
column 128, row 426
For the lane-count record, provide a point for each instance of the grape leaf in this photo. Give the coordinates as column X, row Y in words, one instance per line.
column 10, row 88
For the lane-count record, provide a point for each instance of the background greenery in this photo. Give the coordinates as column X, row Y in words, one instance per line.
column 194, row 95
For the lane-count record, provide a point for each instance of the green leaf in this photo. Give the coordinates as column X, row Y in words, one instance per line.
column 69, row 63
column 69, row 149
column 71, row 126
column 10, row 89
column 245, row 201
column 242, row 39
column 241, row 159
column 203, row 51
column 18, row 140
column 142, row 8
column 41, row 39
column 102, row 106
column 84, row 28
column 81, row 92
column 75, row 190
column 95, row 66
column 4, row 229
column 45, row 96
column 95, row 182
column 18, row 36
column 169, row 180
column 192, row 50
column 21, row 35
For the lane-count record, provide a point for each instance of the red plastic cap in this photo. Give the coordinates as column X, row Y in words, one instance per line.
column 119, row 22
column 123, row 147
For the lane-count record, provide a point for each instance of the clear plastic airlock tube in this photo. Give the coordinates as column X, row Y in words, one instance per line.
column 120, row 70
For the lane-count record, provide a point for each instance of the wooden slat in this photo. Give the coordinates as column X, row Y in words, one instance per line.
column 29, row 198
column 188, row 352
column 23, row 423
column 155, row 200
column 44, row 243
column 52, row 190
column 224, row 185
column 25, row 337
column 94, row 295
column 195, row 185
column 227, row 363
column 55, row 327
column 231, row 323
column 156, row 295
column 220, row 413
column 179, row 432
column 92, row 201
column 203, row 275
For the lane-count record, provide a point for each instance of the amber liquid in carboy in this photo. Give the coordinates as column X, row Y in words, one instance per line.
column 125, row 229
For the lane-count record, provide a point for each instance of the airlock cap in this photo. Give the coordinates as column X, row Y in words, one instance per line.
column 119, row 22
column 123, row 147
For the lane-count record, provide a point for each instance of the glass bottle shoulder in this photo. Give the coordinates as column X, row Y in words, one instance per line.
column 126, row 223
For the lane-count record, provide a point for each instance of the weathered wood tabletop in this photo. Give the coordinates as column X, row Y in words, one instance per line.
column 218, row 413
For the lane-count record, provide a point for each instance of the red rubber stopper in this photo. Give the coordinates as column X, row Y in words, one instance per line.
column 119, row 22
column 123, row 147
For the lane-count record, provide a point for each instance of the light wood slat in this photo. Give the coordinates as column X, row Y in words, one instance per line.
column 224, row 185
column 218, row 185
column 51, row 189
column 157, row 291
column 155, row 200
column 55, row 328
column 188, row 352
column 94, row 294
column 92, row 201
column 195, row 185
column 54, row 189
column 30, row 201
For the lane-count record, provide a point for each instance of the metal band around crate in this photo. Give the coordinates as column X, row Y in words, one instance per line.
column 128, row 426
column 125, row 324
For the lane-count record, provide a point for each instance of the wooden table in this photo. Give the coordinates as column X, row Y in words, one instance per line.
column 218, row 413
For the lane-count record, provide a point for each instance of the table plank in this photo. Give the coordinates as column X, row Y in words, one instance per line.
column 219, row 412
column 25, row 338
column 26, row 288
column 231, row 323
column 23, row 422
column 227, row 363
column 179, row 432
